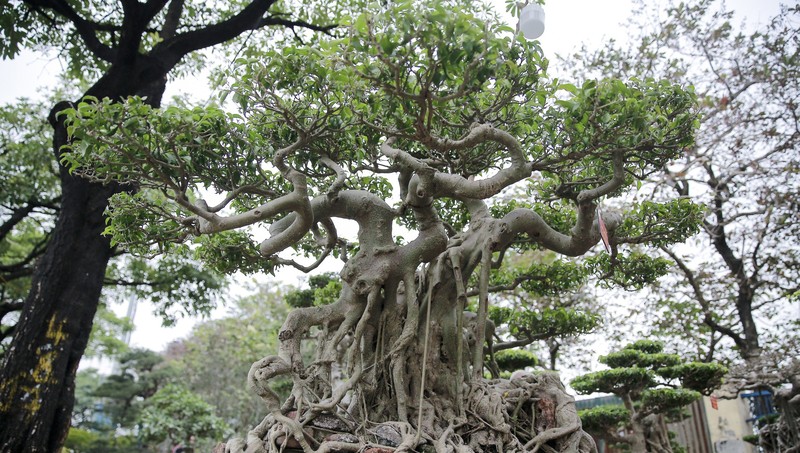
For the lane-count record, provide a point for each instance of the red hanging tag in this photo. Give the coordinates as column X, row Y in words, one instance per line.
column 603, row 230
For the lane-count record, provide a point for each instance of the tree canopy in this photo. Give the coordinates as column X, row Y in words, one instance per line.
column 314, row 119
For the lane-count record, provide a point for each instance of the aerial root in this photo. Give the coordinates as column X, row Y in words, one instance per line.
column 290, row 428
column 409, row 437
column 444, row 443
column 355, row 362
column 552, row 434
column 529, row 413
column 340, row 392
column 261, row 372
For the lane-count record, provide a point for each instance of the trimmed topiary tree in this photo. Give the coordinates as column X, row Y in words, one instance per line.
column 651, row 383
column 515, row 359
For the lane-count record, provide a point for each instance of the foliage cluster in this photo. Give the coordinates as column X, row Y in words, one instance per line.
column 175, row 413
column 515, row 359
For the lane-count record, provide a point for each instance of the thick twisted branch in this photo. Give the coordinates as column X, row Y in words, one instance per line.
column 585, row 233
column 436, row 184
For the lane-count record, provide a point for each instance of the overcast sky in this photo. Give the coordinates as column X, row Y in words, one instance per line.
column 568, row 24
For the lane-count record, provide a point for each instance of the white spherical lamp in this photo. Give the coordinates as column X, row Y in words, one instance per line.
column 531, row 21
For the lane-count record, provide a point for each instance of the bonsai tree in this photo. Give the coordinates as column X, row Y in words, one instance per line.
column 456, row 108
column 651, row 384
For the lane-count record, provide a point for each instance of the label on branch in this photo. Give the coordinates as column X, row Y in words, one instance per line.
column 601, row 225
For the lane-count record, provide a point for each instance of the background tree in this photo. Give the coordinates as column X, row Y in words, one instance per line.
column 83, row 415
column 176, row 414
column 547, row 308
column 116, row 49
column 456, row 121
column 225, row 348
column 107, row 407
column 729, row 293
column 650, row 383
column 142, row 373
column 737, row 302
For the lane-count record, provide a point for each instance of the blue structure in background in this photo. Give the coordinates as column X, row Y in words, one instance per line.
column 760, row 403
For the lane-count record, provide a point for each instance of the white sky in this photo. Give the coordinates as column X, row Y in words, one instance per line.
column 568, row 24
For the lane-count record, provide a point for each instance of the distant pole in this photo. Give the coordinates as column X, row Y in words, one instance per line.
column 126, row 335
column 132, row 302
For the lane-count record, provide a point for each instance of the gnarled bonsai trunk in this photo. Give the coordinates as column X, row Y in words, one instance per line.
column 397, row 364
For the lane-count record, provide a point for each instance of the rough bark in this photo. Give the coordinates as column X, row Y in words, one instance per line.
column 52, row 333
column 50, row 338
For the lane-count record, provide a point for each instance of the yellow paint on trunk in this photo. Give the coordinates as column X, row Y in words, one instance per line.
column 26, row 387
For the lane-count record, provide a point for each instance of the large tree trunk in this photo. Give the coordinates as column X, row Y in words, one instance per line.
column 638, row 437
column 750, row 348
column 37, row 378
column 52, row 333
